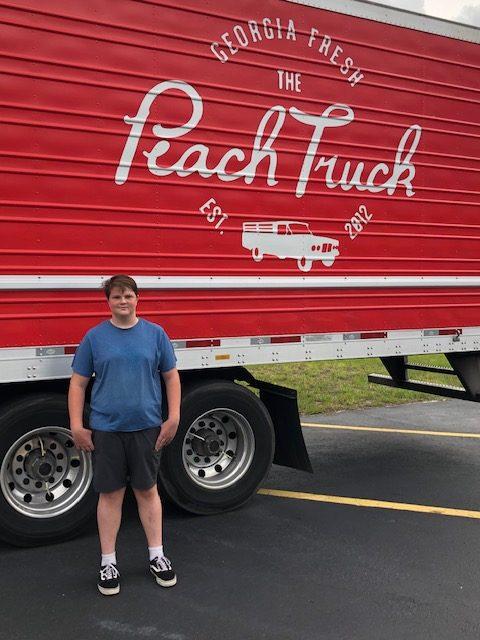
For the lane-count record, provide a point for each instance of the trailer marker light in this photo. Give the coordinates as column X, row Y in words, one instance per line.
column 223, row 356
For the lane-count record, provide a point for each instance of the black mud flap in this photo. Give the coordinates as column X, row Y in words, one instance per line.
column 290, row 449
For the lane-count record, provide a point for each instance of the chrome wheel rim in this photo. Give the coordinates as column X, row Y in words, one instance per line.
column 43, row 475
column 218, row 449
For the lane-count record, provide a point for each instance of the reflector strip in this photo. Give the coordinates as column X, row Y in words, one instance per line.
column 231, row 345
column 70, row 350
column 365, row 335
column 443, row 332
column 283, row 339
column 202, row 343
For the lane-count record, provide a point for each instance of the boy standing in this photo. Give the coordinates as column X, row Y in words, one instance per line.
column 127, row 354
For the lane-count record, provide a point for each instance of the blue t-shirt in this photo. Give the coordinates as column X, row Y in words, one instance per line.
column 126, row 394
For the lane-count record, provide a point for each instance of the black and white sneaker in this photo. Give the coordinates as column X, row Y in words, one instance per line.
column 161, row 570
column 109, row 580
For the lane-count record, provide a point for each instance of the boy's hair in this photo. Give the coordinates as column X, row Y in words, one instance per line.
column 122, row 282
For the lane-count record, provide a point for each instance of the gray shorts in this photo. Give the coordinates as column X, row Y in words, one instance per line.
column 122, row 456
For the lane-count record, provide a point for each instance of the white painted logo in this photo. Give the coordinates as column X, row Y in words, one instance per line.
column 288, row 239
column 382, row 177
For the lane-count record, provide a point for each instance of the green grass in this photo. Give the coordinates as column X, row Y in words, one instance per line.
column 334, row 385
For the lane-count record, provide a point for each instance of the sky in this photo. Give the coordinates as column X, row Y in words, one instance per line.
column 466, row 11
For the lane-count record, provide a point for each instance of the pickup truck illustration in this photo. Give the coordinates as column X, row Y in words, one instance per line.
column 288, row 239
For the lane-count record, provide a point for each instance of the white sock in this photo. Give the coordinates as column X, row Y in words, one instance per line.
column 109, row 558
column 155, row 552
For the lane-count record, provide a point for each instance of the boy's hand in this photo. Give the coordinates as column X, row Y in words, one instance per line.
column 83, row 439
column 167, row 433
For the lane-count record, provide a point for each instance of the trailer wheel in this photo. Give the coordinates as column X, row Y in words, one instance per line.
column 257, row 255
column 222, row 451
column 304, row 264
column 45, row 493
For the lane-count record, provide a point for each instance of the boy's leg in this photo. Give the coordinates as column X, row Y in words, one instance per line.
column 109, row 481
column 109, row 516
column 143, row 464
column 150, row 512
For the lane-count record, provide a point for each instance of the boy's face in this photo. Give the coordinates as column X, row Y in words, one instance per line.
column 122, row 302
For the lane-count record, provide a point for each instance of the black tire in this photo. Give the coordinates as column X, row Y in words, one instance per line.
column 221, row 402
column 49, row 413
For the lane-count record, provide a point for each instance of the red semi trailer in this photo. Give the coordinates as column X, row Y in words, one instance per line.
column 287, row 180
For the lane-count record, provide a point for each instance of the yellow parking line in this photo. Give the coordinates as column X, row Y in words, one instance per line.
column 375, row 504
column 414, row 432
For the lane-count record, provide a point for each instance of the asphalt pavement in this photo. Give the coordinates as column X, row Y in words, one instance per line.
column 283, row 568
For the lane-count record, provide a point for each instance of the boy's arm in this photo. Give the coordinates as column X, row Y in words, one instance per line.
column 173, row 391
column 76, row 401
